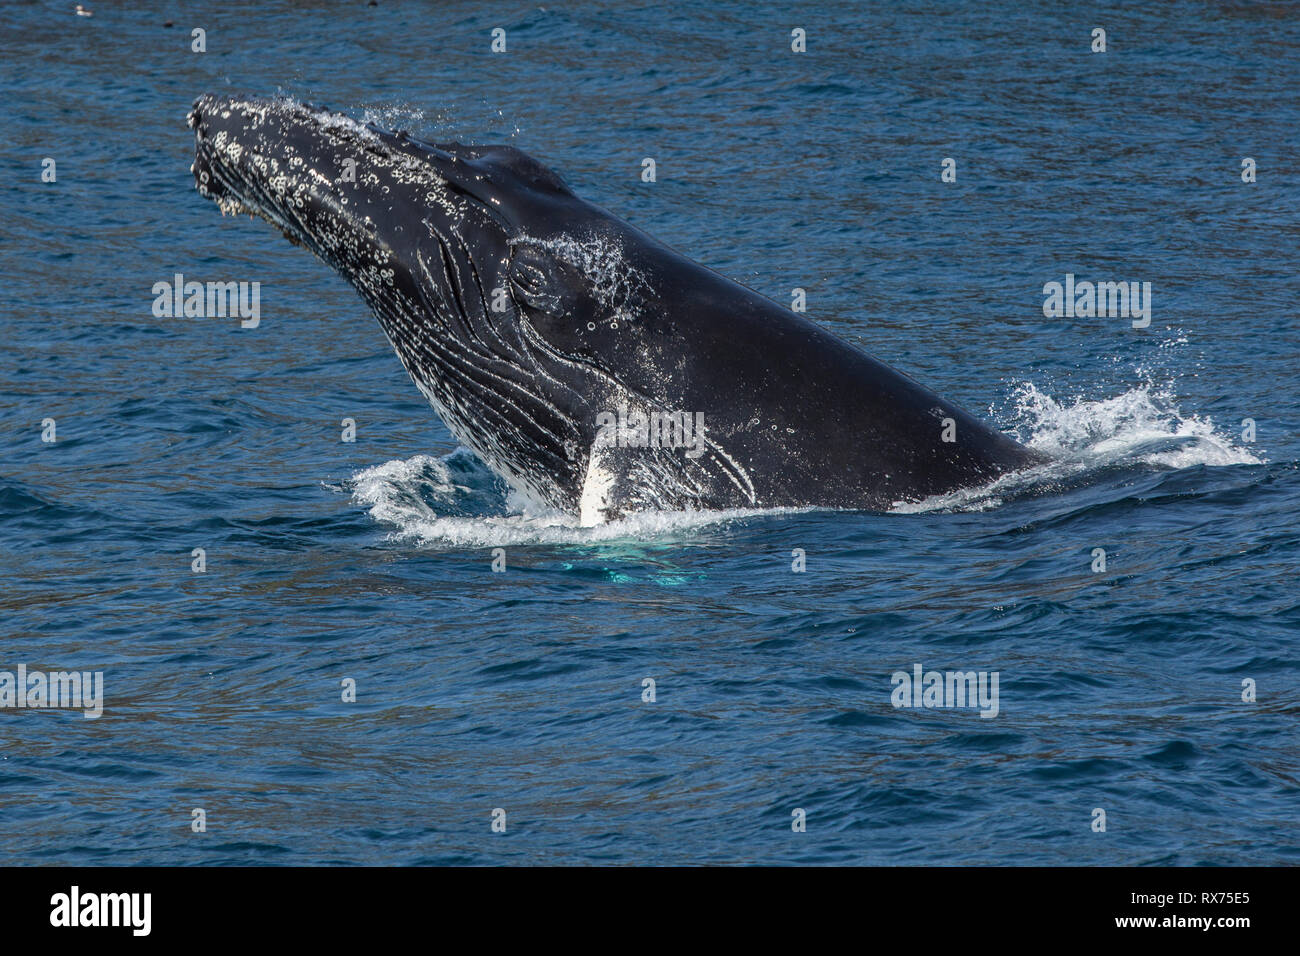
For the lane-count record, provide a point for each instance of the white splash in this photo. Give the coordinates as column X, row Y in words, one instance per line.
column 441, row 502
column 1143, row 427
column 1113, row 428
column 417, row 498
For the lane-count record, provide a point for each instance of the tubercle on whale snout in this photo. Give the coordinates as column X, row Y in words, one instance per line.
column 251, row 153
column 205, row 177
column 219, row 174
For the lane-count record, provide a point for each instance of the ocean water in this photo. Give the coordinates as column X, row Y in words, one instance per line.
column 1120, row 690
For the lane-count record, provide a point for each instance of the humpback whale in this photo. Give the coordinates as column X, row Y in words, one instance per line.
column 596, row 370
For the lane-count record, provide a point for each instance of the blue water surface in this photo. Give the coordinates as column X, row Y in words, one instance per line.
column 1121, row 689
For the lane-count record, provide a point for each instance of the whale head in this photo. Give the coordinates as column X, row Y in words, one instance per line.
column 500, row 317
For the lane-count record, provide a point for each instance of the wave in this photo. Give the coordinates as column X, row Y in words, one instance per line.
column 456, row 501
column 1142, row 428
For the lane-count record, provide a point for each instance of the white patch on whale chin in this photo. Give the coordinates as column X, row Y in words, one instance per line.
column 596, row 486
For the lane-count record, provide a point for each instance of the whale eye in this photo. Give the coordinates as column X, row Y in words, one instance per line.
column 554, row 297
column 541, row 283
column 532, row 287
